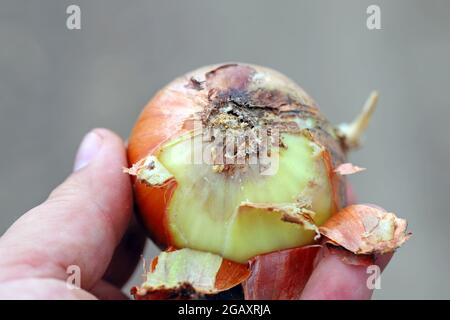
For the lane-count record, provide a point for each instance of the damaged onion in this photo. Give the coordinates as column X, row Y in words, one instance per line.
column 234, row 165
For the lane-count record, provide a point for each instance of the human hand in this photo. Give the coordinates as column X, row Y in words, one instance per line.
column 81, row 223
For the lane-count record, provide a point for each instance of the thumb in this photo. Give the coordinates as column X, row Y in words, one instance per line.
column 80, row 223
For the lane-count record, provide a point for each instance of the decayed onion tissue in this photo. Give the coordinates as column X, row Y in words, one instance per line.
column 227, row 217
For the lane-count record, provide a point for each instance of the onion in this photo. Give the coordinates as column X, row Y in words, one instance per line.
column 236, row 163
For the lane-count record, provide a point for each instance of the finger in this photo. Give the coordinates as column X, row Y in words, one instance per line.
column 127, row 255
column 334, row 279
column 82, row 221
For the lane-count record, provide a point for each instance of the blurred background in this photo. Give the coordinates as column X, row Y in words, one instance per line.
column 56, row 84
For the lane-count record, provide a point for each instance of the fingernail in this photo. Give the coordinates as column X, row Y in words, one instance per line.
column 87, row 150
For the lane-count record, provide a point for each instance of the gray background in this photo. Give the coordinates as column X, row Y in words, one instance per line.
column 57, row 84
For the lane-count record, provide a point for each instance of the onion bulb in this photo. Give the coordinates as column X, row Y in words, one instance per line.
column 235, row 162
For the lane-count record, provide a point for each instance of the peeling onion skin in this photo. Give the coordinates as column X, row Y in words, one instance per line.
column 171, row 112
column 280, row 275
column 192, row 269
column 365, row 230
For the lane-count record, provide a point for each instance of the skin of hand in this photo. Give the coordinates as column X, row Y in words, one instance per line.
column 87, row 222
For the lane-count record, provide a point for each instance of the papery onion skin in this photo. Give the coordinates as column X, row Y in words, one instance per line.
column 280, row 275
column 172, row 111
column 189, row 274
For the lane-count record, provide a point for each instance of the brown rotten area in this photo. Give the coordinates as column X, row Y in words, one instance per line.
column 268, row 216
